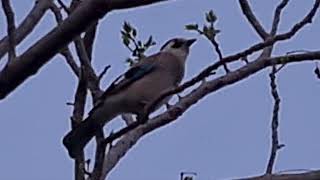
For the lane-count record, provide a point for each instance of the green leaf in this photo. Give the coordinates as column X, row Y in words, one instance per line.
column 125, row 40
column 192, row 27
column 211, row 17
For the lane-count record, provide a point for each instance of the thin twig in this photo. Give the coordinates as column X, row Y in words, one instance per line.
column 104, row 71
column 276, row 17
column 245, row 7
column 275, row 121
column 219, row 52
column 10, row 29
column 26, row 26
column 64, row 7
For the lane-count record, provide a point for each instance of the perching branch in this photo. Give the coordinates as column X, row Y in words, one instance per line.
column 209, row 87
column 207, row 71
column 132, row 133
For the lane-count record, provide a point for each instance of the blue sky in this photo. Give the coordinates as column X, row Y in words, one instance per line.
column 225, row 135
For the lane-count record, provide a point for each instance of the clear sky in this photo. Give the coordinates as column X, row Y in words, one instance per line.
column 225, row 135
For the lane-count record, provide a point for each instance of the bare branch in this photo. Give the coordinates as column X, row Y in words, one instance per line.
column 27, row 25
column 64, row 7
column 132, row 133
column 78, row 112
column 268, row 42
column 217, row 49
column 275, row 121
column 11, row 27
column 311, row 175
column 104, row 71
column 89, row 37
column 211, row 86
column 276, row 17
column 94, row 84
column 70, row 61
column 245, row 7
column 99, row 157
column 41, row 52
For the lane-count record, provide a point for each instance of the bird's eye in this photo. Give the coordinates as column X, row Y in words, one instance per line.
column 177, row 44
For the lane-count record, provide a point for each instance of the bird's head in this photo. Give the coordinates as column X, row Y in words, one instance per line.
column 178, row 46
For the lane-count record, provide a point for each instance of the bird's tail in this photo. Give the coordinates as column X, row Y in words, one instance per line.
column 77, row 138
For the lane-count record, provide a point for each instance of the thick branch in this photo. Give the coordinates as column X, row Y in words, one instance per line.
column 40, row 53
column 209, row 87
column 27, row 25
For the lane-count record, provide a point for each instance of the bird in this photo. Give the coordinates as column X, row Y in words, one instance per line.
column 133, row 90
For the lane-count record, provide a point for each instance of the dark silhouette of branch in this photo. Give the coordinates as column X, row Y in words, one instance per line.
column 11, row 27
column 78, row 112
column 207, row 71
column 42, row 51
column 26, row 26
column 132, row 133
column 219, row 52
column 245, row 7
column 311, row 175
column 276, row 17
column 275, row 146
column 211, row 86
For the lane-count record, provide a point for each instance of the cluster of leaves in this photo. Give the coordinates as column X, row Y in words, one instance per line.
column 137, row 47
column 208, row 29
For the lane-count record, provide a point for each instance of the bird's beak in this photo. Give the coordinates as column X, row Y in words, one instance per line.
column 189, row 42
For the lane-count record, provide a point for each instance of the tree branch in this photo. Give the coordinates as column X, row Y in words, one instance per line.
column 275, row 121
column 311, row 175
column 41, row 52
column 11, row 27
column 78, row 112
column 207, row 71
column 27, row 25
column 245, row 7
column 276, row 17
column 209, row 87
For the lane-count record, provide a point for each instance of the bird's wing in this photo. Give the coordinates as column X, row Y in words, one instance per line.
column 136, row 72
